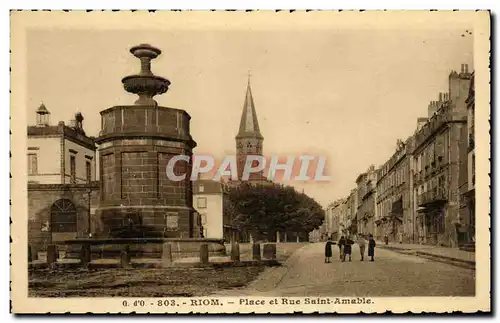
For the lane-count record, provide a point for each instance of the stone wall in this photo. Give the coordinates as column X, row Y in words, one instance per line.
column 136, row 190
column 41, row 197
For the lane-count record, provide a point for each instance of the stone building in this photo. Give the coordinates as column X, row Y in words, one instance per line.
column 438, row 152
column 59, row 154
column 349, row 217
column 333, row 215
column 208, row 201
column 366, row 197
column 59, row 212
column 467, row 229
column 394, row 196
column 62, row 192
column 318, row 235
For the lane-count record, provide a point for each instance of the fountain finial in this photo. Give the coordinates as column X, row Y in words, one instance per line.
column 145, row 84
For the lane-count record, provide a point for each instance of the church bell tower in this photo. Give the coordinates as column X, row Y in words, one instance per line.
column 249, row 140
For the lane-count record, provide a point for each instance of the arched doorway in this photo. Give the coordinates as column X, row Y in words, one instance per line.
column 63, row 216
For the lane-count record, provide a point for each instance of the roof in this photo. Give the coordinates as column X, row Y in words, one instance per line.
column 249, row 125
column 42, row 109
column 360, row 177
column 208, row 187
column 62, row 130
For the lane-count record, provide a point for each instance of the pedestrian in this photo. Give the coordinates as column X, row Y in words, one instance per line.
column 371, row 248
column 348, row 247
column 328, row 251
column 386, row 239
column 341, row 248
column 362, row 245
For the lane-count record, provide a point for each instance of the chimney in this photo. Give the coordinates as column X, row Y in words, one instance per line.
column 466, row 68
column 431, row 109
column 462, row 68
column 421, row 122
column 440, row 97
column 79, row 121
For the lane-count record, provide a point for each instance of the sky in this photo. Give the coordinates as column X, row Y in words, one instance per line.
column 345, row 93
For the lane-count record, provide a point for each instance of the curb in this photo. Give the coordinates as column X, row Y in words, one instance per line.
column 470, row 264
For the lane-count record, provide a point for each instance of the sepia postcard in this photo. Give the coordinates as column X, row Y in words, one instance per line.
column 250, row 162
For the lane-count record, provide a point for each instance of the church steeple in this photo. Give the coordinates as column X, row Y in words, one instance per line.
column 249, row 140
column 249, row 124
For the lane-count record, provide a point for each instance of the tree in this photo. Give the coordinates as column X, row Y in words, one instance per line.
column 272, row 208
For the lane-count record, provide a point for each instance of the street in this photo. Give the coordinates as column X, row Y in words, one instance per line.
column 391, row 274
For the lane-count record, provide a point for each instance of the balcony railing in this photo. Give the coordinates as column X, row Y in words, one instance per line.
column 435, row 195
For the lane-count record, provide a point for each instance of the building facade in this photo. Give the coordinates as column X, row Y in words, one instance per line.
column 366, row 198
column 62, row 192
column 467, row 230
column 439, row 148
column 60, row 154
column 348, row 214
column 333, row 215
column 394, row 196
column 318, row 235
column 208, row 201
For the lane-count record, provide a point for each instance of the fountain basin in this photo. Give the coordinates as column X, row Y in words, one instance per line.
column 151, row 84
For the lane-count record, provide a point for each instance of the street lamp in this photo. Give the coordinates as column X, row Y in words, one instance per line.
column 89, row 228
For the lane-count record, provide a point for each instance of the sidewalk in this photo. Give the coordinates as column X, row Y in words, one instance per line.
column 438, row 253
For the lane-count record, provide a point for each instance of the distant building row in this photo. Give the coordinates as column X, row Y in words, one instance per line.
column 425, row 192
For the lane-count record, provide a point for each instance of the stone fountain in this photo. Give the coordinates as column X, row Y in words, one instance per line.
column 138, row 201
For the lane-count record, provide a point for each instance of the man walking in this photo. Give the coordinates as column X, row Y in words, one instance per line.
column 362, row 245
column 371, row 247
column 348, row 247
column 341, row 248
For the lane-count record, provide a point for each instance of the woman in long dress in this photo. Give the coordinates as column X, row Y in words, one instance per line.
column 328, row 251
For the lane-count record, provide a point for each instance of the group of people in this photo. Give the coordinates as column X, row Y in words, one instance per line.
column 345, row 248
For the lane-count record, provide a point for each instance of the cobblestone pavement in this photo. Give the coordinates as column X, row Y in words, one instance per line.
column 391, row 274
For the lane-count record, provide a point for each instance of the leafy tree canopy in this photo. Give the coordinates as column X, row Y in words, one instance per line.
column 271, row 208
